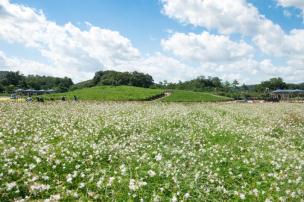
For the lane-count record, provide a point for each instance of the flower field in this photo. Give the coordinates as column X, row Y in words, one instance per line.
column 151, row 152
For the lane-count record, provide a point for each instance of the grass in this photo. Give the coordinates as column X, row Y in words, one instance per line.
column 152, row 151
column 111, row 93
column 4, row 95
column 190, row 96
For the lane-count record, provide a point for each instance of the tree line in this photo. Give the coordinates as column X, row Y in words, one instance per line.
column 231, row 89
column 203, row 83
column 10, row 81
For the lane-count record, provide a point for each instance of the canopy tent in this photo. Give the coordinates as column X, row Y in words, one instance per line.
column 287, row 94
column 33, row 92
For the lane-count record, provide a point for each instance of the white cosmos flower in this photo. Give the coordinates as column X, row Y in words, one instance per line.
column 10, row 186
column 123, row 169
column 242, row 196
column 158, row 157
column 187, row 195
column 151, row 173
column 174, row 199
column 81, row 185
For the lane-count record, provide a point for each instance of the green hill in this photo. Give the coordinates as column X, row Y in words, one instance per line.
column 111, row 93
column 190, row 96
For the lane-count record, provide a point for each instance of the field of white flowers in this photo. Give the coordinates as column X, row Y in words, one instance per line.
column 151, row 152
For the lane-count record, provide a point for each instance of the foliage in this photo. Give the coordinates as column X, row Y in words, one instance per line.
column 2, row 88
column 233, row 90
column 200, row 84
column 151, row 152
column 110, row 93
column 47, row 82
column 114, row 78
column 190, row 96
column 272, row 84
column 10, row 81
column 83, row 84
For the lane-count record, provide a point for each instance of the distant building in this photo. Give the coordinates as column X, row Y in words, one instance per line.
column 30, row 92
column 287, row 94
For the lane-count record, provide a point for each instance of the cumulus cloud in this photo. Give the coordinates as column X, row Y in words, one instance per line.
column 251, row 71
column 33, row 67
column 238, row 16
column 229, row 16
column 292, row 3
column 234, row 17
column 77, row 53
column 206, row 47
column 289, row 45
column 67, row 47
column 162, row 68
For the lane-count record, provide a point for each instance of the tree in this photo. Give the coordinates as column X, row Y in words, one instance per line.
column 245, row 87
column 227, row 86
column 10, row 88
column 140, row 80
column 2, row 89
column 272, row 84
column 97, row 77
column 235, row 84
column 13, row 78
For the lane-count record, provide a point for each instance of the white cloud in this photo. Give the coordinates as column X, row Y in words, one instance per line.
column 162, row 68
column 237, row 16
column 77, row 53
column 282, row 45
column 251, row 71
column 292, row 3
column 205, row 47
column 71, row 51
column 67, row 47
column 230, row 17
column 28, row 67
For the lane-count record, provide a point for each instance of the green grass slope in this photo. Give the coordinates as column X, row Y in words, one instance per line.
column 111, row 93
column 190, row 96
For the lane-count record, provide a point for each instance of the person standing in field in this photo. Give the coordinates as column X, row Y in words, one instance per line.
column 75, row 98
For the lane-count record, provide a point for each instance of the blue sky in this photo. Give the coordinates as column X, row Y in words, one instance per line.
column 159, row 40
column 139, row 20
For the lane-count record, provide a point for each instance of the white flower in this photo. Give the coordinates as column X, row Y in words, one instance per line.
column 123, row 169
column 69, row 178
column 151, row 173
column 187, row 195
column 99, row 183
column 39, row 187
column 45, row 177
column 158, row 157
column 174, row 199
column 81, row 185
column 55, row 197
column 242, row 196
column 110, row 182
column 255, row 192
column 135, row 185
column 11, row 186
column 132, row 185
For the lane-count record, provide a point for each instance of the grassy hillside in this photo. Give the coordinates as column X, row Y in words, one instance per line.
column 190, row 96
column 111, row 93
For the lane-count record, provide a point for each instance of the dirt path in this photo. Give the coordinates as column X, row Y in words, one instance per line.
column 166, row 94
